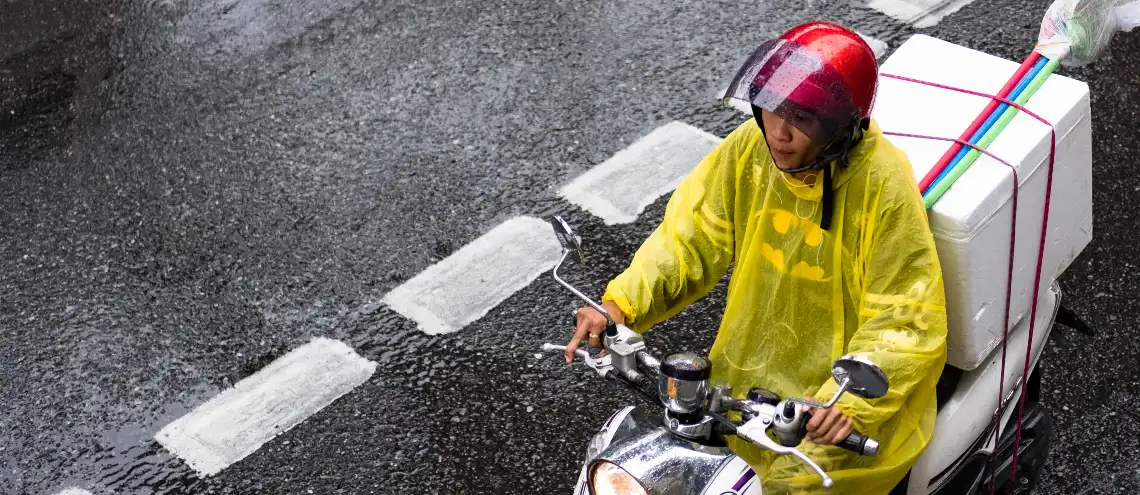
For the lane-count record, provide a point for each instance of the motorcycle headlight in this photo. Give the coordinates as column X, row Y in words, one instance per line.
column 609, row 479
column 596, row 445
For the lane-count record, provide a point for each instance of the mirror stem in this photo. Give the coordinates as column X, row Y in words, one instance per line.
column 609, row 320
column 839, row 392
column 834, row 398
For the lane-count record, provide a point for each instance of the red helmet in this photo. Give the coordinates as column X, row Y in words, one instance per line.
column 817, row 69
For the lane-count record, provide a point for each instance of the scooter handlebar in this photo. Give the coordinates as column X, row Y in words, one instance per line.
column 855, row 442
column 579, row 352
column 860, row 444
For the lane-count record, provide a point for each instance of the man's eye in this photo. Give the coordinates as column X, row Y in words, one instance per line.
column 805, row 123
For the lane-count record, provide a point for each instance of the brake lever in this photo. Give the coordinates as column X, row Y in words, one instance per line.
column 601, row 364
column 756, row 431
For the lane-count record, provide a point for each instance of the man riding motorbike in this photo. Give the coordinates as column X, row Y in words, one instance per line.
column 823, row 222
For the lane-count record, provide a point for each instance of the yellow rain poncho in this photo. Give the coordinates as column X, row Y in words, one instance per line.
column 800, row 297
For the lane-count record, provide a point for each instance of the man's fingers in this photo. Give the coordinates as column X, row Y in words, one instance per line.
column 828, row 426
column 813, row 424
column 570, row 348
column 829, row 419
column 590, row 325
column 816, row 418
column 585, row 321
column 579, row 334
column 594, row 340
column 842, row 430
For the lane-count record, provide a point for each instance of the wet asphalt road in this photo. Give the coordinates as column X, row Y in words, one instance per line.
column 189, row 189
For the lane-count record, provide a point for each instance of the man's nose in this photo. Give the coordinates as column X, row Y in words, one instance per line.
column 782, row 132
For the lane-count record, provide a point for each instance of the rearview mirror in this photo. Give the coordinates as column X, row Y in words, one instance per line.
column 572, row 250
column 571, row 244
column 860, row 376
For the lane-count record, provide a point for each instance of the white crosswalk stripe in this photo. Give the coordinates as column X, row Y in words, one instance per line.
column 238, row 421
column 619, row 189
column 919, row 13
column 449, row 295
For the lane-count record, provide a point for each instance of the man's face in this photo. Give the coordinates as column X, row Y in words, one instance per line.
column 791, row 148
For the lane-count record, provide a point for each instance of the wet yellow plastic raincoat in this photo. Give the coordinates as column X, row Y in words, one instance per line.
column 800, row 297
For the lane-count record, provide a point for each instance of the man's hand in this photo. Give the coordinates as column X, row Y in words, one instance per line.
column 828, row 426
column 590, row 326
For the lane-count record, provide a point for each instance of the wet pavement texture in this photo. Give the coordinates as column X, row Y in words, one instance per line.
column 189, row 189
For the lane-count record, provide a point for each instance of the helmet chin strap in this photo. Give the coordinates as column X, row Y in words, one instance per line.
column 827, row 161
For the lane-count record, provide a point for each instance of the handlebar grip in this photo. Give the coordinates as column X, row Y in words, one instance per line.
column 860, row 444
column 854, row 442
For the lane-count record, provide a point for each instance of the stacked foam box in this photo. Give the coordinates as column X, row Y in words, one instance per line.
column 971, row 222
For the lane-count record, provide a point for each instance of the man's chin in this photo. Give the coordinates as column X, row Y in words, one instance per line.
column 784, row 166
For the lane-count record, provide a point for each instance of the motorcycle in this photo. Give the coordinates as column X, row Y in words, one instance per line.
column 677, row 445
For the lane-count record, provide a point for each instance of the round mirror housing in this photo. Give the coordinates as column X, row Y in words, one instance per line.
column 571, row 243
column 862, row 377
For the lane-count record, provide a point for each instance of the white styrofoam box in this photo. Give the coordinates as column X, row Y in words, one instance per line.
column 977, row 390
column 971, row 222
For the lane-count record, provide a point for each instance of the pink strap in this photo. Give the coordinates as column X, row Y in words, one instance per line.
column 969, row 92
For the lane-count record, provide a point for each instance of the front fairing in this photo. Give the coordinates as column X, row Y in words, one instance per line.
column 666, row 464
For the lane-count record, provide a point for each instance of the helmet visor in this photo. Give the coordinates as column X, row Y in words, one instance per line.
column 794, row 83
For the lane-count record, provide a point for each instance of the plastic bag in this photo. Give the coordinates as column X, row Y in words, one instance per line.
column 1079, row 31
column 1128, row 16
